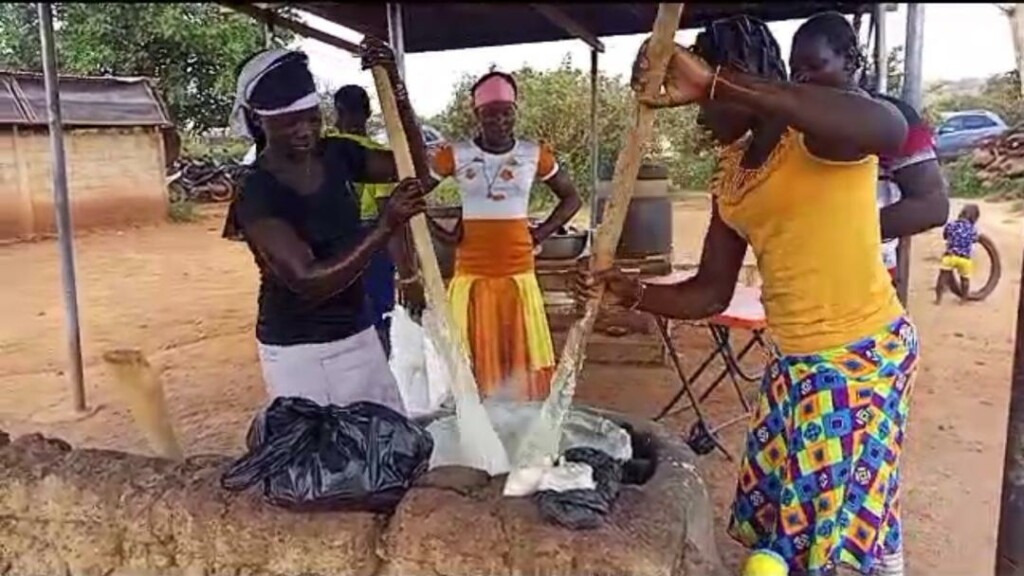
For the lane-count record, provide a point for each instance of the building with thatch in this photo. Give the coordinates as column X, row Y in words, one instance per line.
column 114, row 143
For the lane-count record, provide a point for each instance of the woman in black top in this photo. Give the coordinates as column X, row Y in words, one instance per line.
column 299, row 215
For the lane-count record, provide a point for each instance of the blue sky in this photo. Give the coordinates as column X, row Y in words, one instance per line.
column 961, row 41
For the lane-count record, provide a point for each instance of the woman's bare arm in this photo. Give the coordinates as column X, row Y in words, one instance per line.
column 834, row 121
column 924, row 202
column 711, row 289
column 569, row 204
column 292, row 260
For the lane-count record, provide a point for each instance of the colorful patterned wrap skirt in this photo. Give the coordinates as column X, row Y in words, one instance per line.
column 819, row 484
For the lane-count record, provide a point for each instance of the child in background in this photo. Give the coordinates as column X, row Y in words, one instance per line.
column 960, row 236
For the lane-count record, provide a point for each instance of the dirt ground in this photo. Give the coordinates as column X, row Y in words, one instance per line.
column 187, row 298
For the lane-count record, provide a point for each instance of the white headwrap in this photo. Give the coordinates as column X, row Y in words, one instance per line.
column 251, row 73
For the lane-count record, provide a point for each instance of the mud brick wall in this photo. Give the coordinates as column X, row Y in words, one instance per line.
column 115, row 177
column 93, row 513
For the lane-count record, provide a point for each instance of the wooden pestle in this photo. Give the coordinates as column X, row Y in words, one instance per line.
column 480, row 442
column 542, row 439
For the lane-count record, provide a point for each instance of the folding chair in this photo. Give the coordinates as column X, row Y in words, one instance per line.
column 745, row 312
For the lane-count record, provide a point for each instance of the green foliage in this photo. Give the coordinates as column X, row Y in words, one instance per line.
column 963, row 179
column 446, row 194
column 192, row 50
column 217, row 149
column 182, row 212
column 554, row 106
column 966, row 182
column 1000, row 94
column 894, row 68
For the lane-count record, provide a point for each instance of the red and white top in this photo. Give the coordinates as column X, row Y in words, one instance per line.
column 494, row 186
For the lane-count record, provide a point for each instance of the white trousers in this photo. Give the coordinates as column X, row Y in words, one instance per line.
column 342, row 372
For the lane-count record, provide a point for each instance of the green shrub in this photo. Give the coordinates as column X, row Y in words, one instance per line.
column 182, row 212
column 219, row 149
column 965, row 182
column 963, row 179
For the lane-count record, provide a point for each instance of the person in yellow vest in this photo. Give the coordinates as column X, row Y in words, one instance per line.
column 818, row 487
column 352, row 113
column 494, row 293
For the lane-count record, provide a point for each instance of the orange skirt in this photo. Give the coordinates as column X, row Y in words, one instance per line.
column 499, row 310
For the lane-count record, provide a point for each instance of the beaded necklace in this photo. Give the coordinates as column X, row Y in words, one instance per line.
column 731, row 181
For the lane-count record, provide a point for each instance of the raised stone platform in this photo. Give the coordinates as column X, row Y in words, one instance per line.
column 104, row 513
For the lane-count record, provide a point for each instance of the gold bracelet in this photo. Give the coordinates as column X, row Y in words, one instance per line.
column 411, row 280
column 714, row 82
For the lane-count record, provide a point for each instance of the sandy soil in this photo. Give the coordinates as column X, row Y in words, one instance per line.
column 187, row 298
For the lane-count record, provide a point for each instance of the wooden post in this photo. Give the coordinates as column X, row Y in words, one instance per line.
column 1015, row 17
column 1010, row 541
column 881, row 50
column 396, row 35
column 913, row 93
column 595, row 145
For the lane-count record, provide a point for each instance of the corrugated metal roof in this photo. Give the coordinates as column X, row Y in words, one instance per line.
column 85, row 101
column 433, row 26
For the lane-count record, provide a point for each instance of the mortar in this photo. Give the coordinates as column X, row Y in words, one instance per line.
column 85, row 512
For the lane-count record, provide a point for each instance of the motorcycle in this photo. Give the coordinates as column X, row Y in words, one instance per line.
column 200, row 181
column 176, row 191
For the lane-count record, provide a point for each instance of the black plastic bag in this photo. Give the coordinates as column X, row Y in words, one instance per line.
column 584, row 509
column 309, row 457
column 644, row 463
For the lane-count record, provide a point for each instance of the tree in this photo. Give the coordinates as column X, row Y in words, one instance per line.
column 1015, row 16
column 191, row 50
column 894, row 68
column 554, row 106
column 999, row 94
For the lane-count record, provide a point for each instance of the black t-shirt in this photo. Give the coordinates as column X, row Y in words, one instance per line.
column 327, row 220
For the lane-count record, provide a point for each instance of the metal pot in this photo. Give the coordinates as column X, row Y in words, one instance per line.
column 563, row 246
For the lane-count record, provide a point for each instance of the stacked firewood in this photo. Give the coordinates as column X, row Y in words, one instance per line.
column 1001, row 158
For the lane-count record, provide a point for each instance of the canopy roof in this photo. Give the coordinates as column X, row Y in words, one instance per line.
column 434, row 26
column 84, row 101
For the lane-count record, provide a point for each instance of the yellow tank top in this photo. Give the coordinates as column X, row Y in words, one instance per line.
column 814, row 229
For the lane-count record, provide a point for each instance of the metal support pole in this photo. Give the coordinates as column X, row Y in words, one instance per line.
column 881, row 50
column 1010, row 543
column 61, row 204
column 396, row 35
column 913, row 91
column 594, row 140
column 913, row 88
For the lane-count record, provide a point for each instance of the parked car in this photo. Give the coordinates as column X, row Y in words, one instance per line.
column 961, row 132
column 432, row 137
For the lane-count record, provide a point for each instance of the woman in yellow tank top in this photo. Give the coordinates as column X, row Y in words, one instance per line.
column 796, row 182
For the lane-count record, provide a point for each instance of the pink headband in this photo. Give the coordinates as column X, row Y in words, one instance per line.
column 494, row 89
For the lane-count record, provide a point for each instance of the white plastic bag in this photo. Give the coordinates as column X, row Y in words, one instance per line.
column 421, row 375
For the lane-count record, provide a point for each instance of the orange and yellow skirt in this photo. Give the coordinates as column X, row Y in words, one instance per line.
column 499, row 310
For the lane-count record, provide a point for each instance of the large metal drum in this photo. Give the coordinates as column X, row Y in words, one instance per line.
column 648, row 227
